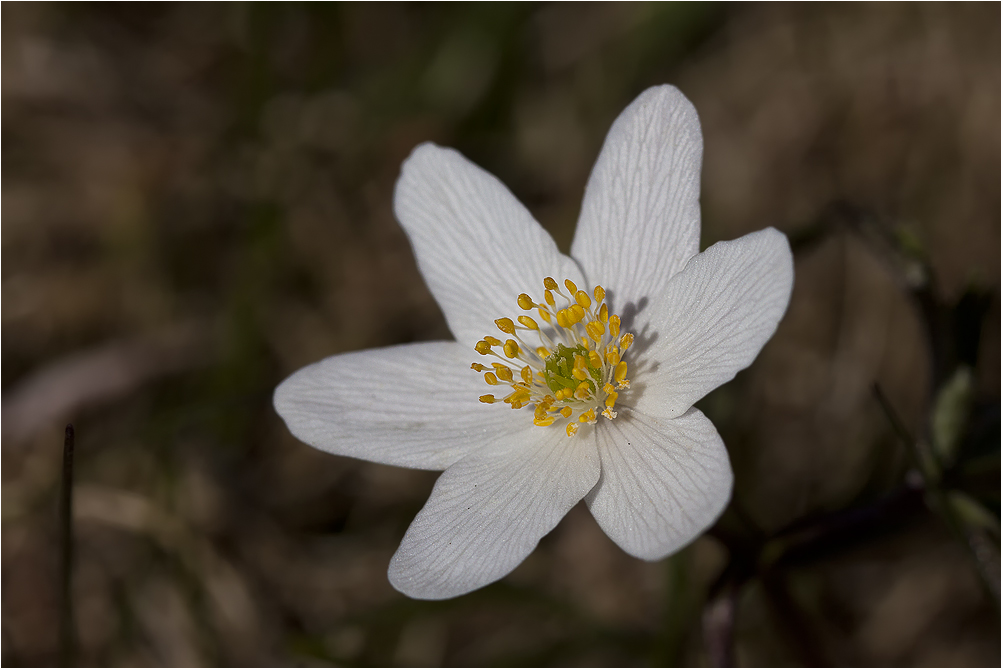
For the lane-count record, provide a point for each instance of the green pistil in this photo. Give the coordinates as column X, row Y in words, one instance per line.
column 558, row 367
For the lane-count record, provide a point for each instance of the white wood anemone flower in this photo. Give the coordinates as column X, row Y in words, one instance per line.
column 585, row 367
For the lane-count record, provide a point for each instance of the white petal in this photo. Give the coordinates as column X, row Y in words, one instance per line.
column 640, row 219
column 413, row 405
column 477, row 247
column 489, row 511
column 663, row 481
column 710, row 322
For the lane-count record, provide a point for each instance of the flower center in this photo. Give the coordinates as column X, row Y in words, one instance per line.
column 576, row 368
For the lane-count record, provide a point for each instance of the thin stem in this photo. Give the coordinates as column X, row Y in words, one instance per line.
column 66, row 628
column 719, row 628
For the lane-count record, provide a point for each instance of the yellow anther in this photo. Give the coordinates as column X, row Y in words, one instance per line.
column 527, row 375
column 612, row 356
column 608, row 388
column 571, row 429
column 609, row 413
column 490, row 378
column 564, row 319
column 549, row 297
column 525, row 301
column 620, row 373
column 580, row 374
column 478, row 367
column 518, row 396
column 493, row 341
column 596, row 330
column 504, row 374
column 483, row 348
column 571, row 286
column 583, row 299
column 544, row 421
column 583, row 391
column 626, row 341
column 487, row 399
column 604, row 313
column 528, row 322
column 544, row 314
column 614, row 325
column 549, row 284
column 611, row 399
column 588, row 417
column 505, row 325
column 578, row 311
column 600, row 293
column 595, row 360
column 566, row 411
column 511, row 348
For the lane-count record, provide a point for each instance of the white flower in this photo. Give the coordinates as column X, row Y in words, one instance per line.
column 651, row 468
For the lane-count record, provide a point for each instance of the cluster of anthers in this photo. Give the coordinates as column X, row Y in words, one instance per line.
column 576, row 369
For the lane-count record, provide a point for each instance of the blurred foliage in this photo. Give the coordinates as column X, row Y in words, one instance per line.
column 197, row 201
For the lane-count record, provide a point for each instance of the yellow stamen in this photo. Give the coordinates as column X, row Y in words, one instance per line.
column 614, row 325
column 511, row 348
column 575, row 371
column 505, row 325
column 595, row 330
column 528, row 322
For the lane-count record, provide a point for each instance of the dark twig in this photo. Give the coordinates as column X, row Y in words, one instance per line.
column 66, row 636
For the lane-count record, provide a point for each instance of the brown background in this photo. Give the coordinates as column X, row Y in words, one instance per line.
column 197, row 201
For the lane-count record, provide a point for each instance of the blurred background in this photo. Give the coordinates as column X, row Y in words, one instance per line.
column 197, row 201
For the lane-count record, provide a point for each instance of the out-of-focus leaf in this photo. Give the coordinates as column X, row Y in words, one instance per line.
column 950, row 414
column 972, row 514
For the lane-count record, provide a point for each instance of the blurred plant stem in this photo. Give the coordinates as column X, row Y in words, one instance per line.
column 930, row 485
column 66, row 627
column 950, row 505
